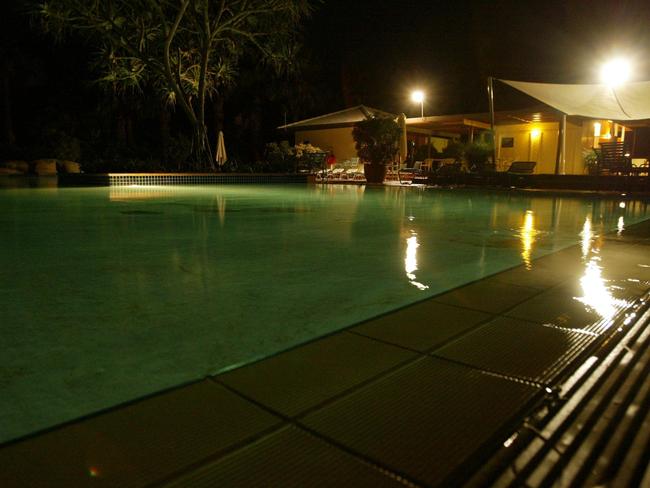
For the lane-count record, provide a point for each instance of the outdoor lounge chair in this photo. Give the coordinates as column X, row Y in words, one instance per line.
column 336, row 173
column 406, row 174
column 522, row 168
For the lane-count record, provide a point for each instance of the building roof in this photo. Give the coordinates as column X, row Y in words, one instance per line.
column 342, row 118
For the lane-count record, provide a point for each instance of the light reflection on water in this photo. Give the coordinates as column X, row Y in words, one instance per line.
column 411, row 261
column 596, row 292
column 527, row 238
column 587, row 235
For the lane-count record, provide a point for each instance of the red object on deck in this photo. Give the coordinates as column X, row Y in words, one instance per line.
column 331, row 160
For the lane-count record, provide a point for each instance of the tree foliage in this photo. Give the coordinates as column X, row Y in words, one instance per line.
column 188, row 50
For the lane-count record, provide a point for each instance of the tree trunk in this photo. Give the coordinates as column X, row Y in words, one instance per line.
column 202, row 154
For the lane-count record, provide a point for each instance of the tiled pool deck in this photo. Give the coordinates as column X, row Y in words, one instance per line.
column 417, row 397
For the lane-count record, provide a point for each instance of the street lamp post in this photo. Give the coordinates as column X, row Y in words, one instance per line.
column 418, row 97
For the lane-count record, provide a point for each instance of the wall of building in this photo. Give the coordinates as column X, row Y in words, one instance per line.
column 538, row 142
column 338, row 140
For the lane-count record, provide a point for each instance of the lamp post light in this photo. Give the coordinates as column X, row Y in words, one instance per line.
column 418, row 97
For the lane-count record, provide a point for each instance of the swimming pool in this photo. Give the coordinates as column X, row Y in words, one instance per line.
column 109, row 294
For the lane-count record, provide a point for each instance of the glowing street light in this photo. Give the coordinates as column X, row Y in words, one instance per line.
column 615, row 72
column 418, row 97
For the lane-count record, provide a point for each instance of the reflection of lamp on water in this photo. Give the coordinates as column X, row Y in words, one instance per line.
column 411, row 261
column 620, row 226
column 587, row 235
column 596, row 294
column 527, row 236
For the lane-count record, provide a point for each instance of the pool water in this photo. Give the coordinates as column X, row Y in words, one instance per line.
column 110, row 294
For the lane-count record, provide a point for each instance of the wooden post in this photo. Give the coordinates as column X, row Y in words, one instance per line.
column 560, row 158
column 490, row 89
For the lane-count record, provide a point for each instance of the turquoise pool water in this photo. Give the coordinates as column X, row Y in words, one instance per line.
column 109, row 294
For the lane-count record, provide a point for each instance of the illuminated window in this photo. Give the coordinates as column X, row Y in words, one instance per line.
column 597, row 127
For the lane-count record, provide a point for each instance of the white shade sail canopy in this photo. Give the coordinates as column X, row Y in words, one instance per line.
column 628, row 101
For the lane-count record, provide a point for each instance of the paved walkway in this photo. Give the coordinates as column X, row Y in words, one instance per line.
column 417, row 397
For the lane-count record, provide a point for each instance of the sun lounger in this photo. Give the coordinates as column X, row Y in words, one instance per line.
column 522, row 168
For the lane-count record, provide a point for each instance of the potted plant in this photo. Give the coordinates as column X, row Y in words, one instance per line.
column 590, row 158
column 377, row 142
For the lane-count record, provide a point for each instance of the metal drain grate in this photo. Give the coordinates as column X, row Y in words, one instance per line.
column 600, row 433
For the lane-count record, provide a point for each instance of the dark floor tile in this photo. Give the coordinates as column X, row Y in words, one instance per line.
column 566, row 262
column 629, row 262
column 288, row 458
column 422, row 326
column 424, row 420
column 301, row 378
column 138, row 444
column 535, row 276
column 491, row 297
column 517, row 348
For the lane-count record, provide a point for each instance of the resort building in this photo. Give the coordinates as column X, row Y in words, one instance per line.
column 333, row 132
column 520, row 135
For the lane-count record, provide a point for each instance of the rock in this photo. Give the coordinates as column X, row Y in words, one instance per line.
column 45, row 166
column 19, row 166
column 71, row 167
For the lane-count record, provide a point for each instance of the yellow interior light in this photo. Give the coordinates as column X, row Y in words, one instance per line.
column 535, row 133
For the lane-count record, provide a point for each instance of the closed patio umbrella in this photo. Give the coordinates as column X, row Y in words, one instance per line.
column 221, row 156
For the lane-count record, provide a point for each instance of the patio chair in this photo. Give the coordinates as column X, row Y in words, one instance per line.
column 416, row 169
column 393, row 169
column 337, row 173
column 322, row 175
column 518, row 171
column 522, row 168
column 642, row 168
column 406, row 174
column 613, row 159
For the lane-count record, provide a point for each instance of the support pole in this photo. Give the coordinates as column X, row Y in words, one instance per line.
column 560, row 159
column 490, row 89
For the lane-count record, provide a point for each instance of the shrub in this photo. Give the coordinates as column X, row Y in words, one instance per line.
column 477, row 154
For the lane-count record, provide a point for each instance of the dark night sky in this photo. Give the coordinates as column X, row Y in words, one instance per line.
column 362, row 51
column 375, row 52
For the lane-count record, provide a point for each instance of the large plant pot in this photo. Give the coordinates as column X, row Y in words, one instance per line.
column 375, row 173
